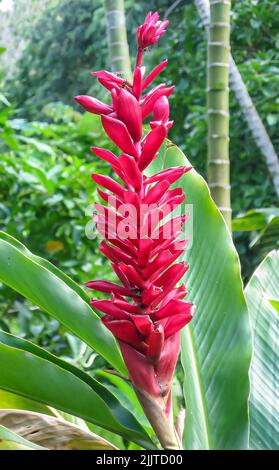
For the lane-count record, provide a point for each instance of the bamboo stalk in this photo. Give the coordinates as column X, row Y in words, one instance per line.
column 218, row 106
column 117, row 38
column 254, row 122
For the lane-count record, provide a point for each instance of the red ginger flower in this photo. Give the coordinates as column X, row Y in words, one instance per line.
column 148, row 325
column 151, row 30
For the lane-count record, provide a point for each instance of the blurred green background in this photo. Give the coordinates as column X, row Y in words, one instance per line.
column 47, row 50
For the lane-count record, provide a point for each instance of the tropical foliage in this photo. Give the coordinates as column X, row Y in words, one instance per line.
column 53, row 346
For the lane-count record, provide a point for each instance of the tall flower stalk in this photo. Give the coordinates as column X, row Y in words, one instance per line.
column 145, row 311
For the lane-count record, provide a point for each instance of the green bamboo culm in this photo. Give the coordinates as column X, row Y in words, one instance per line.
column 218, row 106
column 117, row 38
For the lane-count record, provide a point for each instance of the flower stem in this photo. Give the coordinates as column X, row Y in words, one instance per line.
column 163, row 427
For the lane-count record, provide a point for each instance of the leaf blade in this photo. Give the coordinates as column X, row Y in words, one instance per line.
column 51, row 433
column 216, row 346
column 44, row 288
column 264, row 372
column 38, row 375
column 11, row 441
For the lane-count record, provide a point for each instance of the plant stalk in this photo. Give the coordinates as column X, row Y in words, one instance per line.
column 163, row 427
column 218, row 106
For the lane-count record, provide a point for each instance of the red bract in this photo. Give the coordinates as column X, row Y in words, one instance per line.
column 151, row 30
column 146, row 311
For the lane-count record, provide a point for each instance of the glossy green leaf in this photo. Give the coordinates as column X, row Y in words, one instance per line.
column 51, row 433
column 255, row 219
column 264, row 373
column 38, row 375
column 56, row 295
column 264, row 225
column 216, row 345
column 268, row 238
column 126, row 395
column 11, row 441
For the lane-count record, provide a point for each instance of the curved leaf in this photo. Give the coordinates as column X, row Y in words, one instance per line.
column 216, row 346
column 46, row 264
column 36, row 282
column 34, row 373
column 255, row 219
column 11, row 441
column 16, row 402
column 126, row 395
column 266, row 224
column 50, row 432
column 264, row 372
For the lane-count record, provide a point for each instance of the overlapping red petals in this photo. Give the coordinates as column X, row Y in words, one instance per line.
column 146, row 311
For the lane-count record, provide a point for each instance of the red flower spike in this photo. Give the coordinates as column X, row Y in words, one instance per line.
column 131, row 170
column 155, row 72
column 105, row 286
column 161, row 110
column 109, row 80
column 92, row 105
column 156, row 192
column 151, row 145
column 155, row 343
column 109, row 309
column 105, row 155
column 145, row 311
column 171, row 174
column 151, row 31
column 148, row 104
column 109, row 184
column 125, row 330
column 143, row 324
column 137, row 82
column 118, row 133
column 129, row 112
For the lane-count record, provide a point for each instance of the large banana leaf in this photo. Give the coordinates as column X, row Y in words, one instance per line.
column 216, row 346
column 54, row 292
column 264, row 373
column 11, row 441
column 32, row 372
column 51, row 433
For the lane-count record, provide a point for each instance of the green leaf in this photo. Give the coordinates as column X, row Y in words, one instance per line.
column 255, row 219
column 13, row 401
column 126, row 395
column 264, row 372
column 268, row 238
column 55, row 293
column 274, row 303
column 46, row 264
column 38, row 375
column 265, row 224
column 51, row 433
column 11, row 441
column 216, row 346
